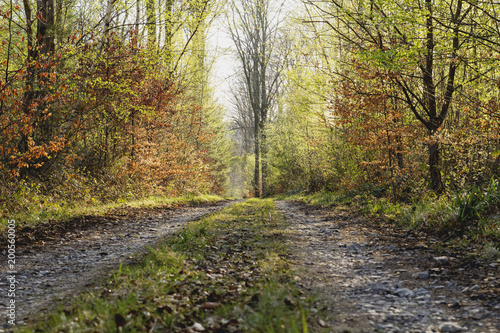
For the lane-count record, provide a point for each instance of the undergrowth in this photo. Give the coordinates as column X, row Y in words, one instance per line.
column 32, row 202
column 468, row 217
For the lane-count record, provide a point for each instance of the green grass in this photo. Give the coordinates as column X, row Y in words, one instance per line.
column 37, row 208
column 323, row 199
column 226, row 272
column 464, row 218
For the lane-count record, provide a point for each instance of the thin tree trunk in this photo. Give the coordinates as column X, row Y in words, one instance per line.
column 59, row 23
column 169, row 24
column 151, row 22
column 108, row 18
column 257, row 175
column 263, row 115
column 45, row 25
column 137, row 21
column 264, row 153
column 430, row 102
column 30, row 82
column 435, row 173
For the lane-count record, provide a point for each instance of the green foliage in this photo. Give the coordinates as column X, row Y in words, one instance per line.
column 31, row 202
column 298, row 142
column 102, row 118
column 240, row 178
column 474, row 205
column 469, row 205
column 492, row 195
column 472, row 216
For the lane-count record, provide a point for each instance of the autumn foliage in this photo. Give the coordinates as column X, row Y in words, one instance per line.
column 369, row 114
column 99, row 106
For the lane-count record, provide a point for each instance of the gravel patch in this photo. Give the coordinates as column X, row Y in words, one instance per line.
column 378, row 279
column 52, row 271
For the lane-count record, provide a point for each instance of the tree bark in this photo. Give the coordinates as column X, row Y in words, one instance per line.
column 434, row 170
column 151, row 22
column 169, row 27
column 108, row 18
column 59, row 22
column 257, row 175
column 45, row 25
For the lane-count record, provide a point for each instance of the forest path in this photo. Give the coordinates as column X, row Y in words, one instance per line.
column 68, row 261
column 379, row 279
column 368, row 277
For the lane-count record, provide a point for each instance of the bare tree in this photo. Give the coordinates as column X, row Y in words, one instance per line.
column 242, row 120
column 254, row 32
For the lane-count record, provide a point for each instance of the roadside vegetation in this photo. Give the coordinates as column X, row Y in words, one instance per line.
column 463, row 219
column 31, row 206
column 93, row 115
column 228, row 272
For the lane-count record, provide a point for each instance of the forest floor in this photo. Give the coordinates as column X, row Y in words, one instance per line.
column 364, row 276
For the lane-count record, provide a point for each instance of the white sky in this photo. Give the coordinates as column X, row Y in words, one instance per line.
column 224, row 68
column 226, row 63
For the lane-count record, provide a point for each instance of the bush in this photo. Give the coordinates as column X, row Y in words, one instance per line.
column 472, row 204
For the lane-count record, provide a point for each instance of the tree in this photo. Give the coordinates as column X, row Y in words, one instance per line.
column 40, row 47
column 151, row 22
column 242, row 119
column 419, row 47
column 254, row 33
column 102, row 103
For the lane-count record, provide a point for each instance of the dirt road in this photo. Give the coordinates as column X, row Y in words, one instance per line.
column 378, row 279
column 369, row 278
column 61, row 265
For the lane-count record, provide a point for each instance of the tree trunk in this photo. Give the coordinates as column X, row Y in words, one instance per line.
column 252, row 38
column 434, row 170
column 45, row 25
column 29, row 31
column 263, row 150
column 151, row 22
column 169, row 26
column 59, row 23
column 264, row 108
column 135, row 40
column 22, row 146
column 108, row 18
column 46, row 35
column 257, row 175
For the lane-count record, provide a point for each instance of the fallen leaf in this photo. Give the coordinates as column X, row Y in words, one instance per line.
column 197, row 327
column 119, row 320
column 230, row 322
column 254, row 300
column 210, row 305
column 165, row 308
column 289, row 302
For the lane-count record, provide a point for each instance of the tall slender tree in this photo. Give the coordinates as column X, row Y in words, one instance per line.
column 151, row 22
column 254, row 33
